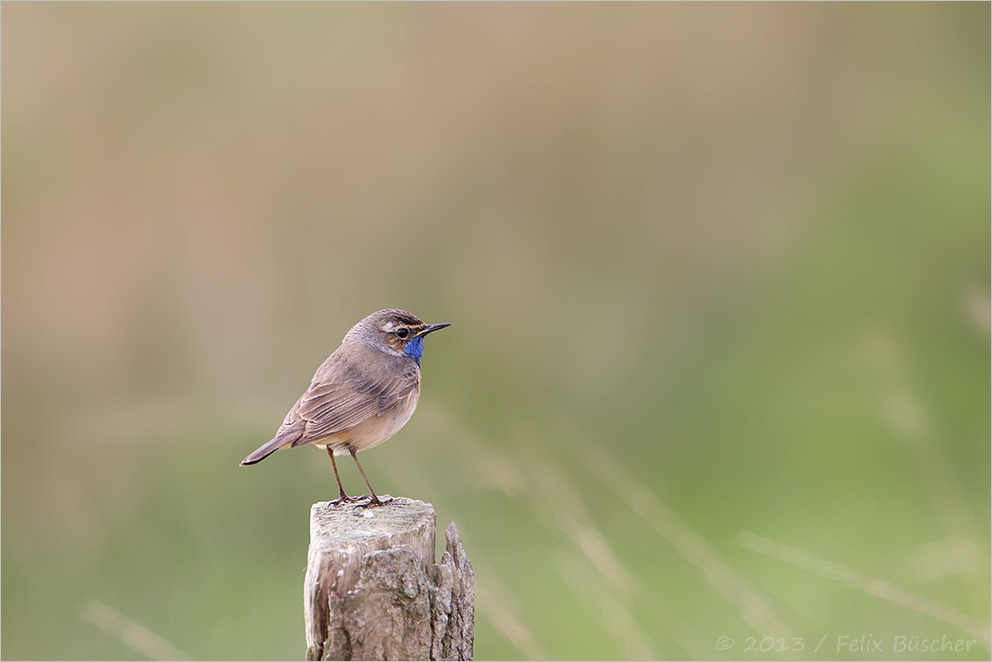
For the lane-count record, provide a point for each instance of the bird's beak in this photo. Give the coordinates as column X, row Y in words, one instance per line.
column 431, row 328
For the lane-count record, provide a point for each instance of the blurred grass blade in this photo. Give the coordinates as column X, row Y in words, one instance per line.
column 690, row 545
column 501, row 608
column 614, row 613
column 875, row 587
column 135, row 635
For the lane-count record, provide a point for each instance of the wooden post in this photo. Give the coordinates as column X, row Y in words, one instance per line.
column 374, row 592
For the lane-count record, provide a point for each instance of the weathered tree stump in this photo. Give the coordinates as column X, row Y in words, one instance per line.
column 374, row 592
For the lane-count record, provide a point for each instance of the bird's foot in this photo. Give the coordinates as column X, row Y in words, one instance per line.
column 373, row 501
column 344, row 498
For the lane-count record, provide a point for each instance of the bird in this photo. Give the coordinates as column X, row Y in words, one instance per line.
column 362, row 395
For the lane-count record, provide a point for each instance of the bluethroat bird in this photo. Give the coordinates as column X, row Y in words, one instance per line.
column 361, row 395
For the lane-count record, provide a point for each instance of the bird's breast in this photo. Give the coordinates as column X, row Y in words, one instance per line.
column 374, row 430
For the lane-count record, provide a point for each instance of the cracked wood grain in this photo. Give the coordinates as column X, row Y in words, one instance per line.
column 374, row 592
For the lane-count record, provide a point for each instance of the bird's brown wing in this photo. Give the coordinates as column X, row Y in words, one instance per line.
column 329, row 407
column 343, row 394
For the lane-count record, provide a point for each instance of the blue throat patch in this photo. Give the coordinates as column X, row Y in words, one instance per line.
column 415, row 349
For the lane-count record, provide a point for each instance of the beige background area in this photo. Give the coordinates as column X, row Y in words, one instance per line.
column 718, row 279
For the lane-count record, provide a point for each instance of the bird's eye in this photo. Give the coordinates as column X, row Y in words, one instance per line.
column 402, row 332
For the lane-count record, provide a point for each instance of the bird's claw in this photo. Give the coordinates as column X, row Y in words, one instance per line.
column 373, row 501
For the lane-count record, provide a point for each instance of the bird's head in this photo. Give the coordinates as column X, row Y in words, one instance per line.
column 398, row 330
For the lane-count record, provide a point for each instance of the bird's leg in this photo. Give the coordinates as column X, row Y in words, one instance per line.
column 374, row 501
column 342, row 497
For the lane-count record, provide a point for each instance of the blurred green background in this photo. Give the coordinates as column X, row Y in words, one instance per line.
column 719, row 284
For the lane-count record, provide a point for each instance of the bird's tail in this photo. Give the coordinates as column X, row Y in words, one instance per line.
column 285, row 438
